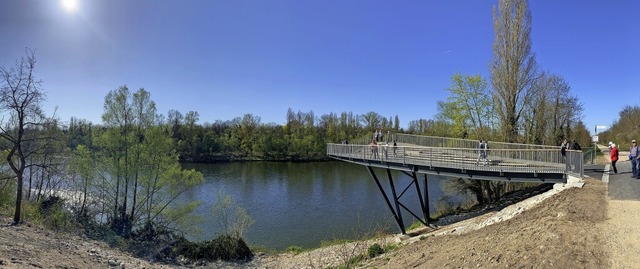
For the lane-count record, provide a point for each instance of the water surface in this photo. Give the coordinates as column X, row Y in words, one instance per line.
column 303, row 204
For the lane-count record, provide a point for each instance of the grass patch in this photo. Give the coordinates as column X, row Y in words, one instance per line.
column 294, row 249
column 391, row 247
column 415, row 225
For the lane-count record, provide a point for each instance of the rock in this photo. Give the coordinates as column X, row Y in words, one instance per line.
column 113, row 263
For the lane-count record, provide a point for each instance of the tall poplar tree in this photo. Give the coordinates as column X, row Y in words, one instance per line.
column 513, row 67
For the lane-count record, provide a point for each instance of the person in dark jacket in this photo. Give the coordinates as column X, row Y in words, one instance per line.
column 575, row 145
column 634, row 155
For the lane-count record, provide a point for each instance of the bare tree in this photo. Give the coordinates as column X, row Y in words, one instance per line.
column 513, row 67
column 553, row 111
column 371, row 120
column 20, row 105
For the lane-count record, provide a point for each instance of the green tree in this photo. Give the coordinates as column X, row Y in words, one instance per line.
column 83, row 165
column 79, row 133
column 625, row 128
column 581, row 134
column 117, row 142
column 142, row 171
column 468, row 108
column 161, row 181
column 145, row 116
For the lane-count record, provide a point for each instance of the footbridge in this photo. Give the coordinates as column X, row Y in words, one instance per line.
column 456, row 158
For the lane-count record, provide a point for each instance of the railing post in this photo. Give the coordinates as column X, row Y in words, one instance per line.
column 404, row 155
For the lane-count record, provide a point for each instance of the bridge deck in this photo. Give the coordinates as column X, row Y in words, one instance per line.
column 510, row 162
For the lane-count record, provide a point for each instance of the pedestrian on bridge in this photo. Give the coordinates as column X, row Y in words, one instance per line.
column 395, row 146
column 634, row 155
column 386, row 150
column 614, row 157
column 482, row 154
column 374, row 149
column 563, row 151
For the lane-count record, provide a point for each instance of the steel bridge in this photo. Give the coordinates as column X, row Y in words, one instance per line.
column 456, row 158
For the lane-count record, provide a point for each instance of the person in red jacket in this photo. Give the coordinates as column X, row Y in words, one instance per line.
column 614, row 157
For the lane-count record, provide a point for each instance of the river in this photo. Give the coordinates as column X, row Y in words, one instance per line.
column 302, row 204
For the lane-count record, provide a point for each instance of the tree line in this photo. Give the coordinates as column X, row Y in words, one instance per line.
column 303, row 137
column 624, row 129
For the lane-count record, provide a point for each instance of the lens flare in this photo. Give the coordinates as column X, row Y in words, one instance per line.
column 70, row 5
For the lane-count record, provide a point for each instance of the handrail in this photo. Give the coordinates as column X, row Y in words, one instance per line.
column 435, row 141
column 465, row 154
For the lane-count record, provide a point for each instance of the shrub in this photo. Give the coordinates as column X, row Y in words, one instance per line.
column 50, row 212
column 54, row 215
column 375, row 250
column 31, row 212
column 224, row 247
column 7, row 196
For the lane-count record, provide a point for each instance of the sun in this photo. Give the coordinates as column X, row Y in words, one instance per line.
column 69, row 5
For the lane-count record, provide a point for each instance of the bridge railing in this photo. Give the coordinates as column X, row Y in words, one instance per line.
column 507, row 160
column 434, row 141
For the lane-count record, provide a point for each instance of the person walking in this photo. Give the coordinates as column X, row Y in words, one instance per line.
column 614, row 157
column 374, row 149
column 563, row 150
column 395, row 146
column 385, row 149
column 482, row 153
column 634, row 154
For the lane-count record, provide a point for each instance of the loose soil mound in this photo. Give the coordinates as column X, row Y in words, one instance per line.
column 564, row 231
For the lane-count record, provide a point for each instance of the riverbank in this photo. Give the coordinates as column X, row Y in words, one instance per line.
column 563, row 230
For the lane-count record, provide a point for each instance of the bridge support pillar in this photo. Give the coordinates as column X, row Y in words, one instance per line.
column 395, row 198
column 397, row 215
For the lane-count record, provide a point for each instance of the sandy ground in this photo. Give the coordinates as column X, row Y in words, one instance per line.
column 624, row 234
column 573, row 228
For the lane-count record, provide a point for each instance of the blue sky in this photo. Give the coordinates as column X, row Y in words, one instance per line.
column 227, row 58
